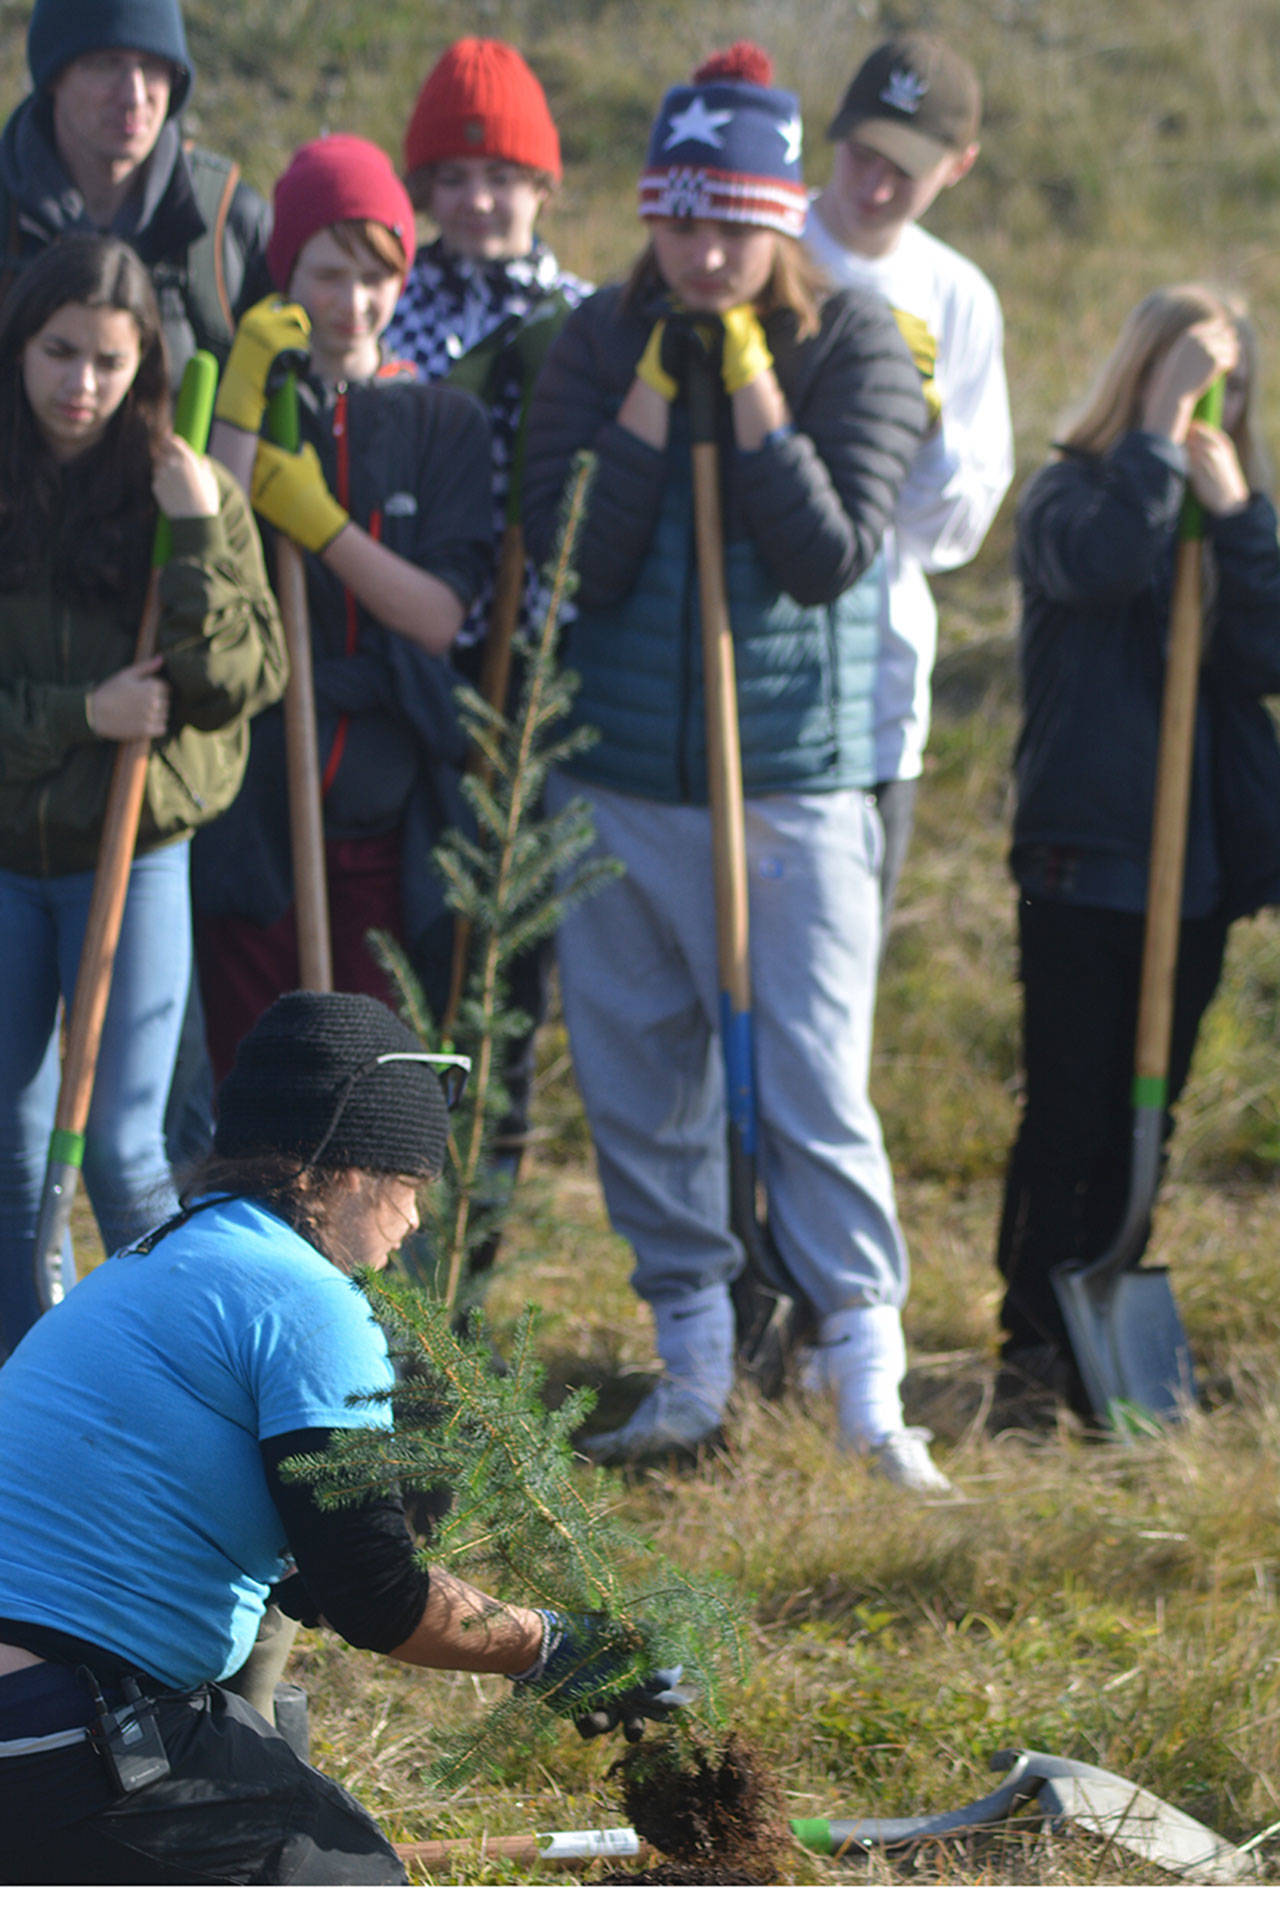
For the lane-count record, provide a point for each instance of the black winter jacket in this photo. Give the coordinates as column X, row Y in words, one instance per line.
column 1096, row 541
column 416, row 472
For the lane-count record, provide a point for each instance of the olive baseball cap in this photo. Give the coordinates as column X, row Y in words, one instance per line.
column 912, row 100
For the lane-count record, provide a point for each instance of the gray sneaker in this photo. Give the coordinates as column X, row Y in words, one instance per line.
column 903, row 1459
column 670, row 1420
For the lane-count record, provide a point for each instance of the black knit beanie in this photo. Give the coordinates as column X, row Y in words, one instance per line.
column 61, row 30
column 309, row 1080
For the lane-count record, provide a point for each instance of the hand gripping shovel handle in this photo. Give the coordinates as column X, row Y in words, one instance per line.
column 302, row 752
column 192, row 417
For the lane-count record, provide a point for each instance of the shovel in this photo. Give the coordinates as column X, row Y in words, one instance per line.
column 766, row 1300
column 301, row 749
column 192, row 416
column 474, row 374
column 1122, row 1322
column 1100, row 1802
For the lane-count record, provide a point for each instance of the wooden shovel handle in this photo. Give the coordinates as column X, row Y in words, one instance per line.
column 521, row 1849
column 302, row 768
column 301, row 747
column 1172, row 795
column 724, row 746
column 192, row 416
column 106, row 903
column 1169, row 820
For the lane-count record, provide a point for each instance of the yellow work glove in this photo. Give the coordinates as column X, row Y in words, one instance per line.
column 289, row 490
column 274, row 334
column 650, row 369
column 746, row 351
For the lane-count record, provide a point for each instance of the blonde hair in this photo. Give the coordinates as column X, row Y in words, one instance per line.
column 1113, row 405
column 796, row 284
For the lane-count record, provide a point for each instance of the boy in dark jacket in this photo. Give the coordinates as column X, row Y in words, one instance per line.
column 389, row 498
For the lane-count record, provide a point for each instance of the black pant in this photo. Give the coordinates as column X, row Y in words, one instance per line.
column 1068, row 1177
column 237, row 1809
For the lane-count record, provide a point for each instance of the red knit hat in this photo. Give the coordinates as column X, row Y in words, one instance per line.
column 339, row 177
column 481, row 101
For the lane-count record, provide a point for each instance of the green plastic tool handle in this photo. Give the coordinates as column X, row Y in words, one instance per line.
column 192, row 419
column 1208, row 407
column 281, row 424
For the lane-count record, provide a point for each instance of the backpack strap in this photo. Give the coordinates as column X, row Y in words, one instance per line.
column 214, row 180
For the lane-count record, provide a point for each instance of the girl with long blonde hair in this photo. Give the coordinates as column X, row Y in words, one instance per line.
column 1097, row 534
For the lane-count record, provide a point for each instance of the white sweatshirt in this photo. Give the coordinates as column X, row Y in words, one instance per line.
column 960, row 473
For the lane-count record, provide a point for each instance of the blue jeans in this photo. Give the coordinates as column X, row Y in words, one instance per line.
column 126, row 1171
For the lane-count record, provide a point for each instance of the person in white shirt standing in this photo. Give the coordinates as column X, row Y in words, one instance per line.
column 906, row 129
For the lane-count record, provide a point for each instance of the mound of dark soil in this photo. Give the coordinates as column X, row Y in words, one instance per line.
column 716, row 1814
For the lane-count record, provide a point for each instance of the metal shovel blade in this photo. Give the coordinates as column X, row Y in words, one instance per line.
column 1132, row 1818
column 1128, row 1344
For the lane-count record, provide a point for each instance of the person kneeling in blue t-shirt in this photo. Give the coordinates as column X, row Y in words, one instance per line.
column 145, row 1520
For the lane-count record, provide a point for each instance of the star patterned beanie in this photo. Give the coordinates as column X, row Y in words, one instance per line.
column 727, row 147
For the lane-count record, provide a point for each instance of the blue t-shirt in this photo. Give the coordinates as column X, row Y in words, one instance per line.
column 134, row 1510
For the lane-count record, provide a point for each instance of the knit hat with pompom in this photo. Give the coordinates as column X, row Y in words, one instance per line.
column 728, row 147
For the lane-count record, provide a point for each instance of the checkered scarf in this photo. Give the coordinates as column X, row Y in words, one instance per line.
column 449, row 304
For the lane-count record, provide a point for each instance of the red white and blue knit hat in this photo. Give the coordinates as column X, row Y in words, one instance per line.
column 727, row 147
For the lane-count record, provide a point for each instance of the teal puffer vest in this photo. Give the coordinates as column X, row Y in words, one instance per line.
column 806, row 675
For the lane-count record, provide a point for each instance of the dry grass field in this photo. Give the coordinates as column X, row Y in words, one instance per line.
column 1112, row 1603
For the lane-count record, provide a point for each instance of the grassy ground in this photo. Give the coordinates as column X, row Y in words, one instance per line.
column 1116, row 1605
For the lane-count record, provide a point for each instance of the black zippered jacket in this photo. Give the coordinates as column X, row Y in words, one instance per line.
column 1096, row 545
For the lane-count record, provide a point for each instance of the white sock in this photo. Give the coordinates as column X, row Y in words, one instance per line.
column 695, row 1343
column 864, row 1359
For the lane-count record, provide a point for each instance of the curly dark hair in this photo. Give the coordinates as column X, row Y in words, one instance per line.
column 89, row 520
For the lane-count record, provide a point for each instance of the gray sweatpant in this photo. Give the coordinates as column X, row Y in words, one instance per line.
column 639, row 982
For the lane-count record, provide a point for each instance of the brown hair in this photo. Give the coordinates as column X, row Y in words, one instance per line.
column 299, row 1194
column 796, row 284
column 374, row 238
column 91, row 521
column 420, row 181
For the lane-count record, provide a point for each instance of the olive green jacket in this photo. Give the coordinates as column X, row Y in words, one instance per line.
column 225, row 660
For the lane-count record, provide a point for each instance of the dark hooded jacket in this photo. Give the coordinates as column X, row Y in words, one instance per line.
column 197, row 228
